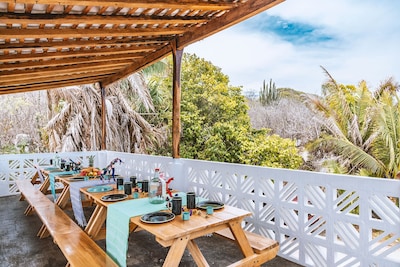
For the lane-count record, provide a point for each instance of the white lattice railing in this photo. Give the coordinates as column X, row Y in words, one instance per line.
column 319, row 219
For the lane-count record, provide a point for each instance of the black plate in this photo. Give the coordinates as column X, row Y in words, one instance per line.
column 65, row 175
column 53, row 170
column 215, row 204
column 76, row 179
column 114, row 197
column 157, row 217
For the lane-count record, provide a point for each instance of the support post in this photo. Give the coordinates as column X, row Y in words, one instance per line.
column 103, row 117
column 176, row 99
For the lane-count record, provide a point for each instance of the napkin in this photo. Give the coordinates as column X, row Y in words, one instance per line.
column 76, row 200
column 52, row 176
column 117, row 225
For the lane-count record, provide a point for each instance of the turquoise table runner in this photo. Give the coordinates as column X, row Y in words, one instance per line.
column 52, row 176
column 76, row 200
column 117, row 223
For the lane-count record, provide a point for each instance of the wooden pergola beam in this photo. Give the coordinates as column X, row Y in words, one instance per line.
column 51, row 75
column 12, row 18
column 71, row 54
column 99, row 61
column 51, row 85
column 166, row 4
column 53, row 43
column 84, row 33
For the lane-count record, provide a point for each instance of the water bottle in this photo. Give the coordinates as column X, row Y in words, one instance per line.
column 57, row 161
column 155, row 189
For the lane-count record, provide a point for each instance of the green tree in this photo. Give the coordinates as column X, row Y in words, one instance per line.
column 215, row 123
column 271, row 150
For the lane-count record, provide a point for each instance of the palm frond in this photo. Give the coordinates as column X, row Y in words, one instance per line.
column 77, row 126
column 358, row 157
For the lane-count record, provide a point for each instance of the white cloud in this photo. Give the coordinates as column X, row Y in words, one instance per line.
column 366, row 36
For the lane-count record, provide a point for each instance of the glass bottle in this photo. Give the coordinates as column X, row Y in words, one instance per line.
column 155, row 189
column 57, row 161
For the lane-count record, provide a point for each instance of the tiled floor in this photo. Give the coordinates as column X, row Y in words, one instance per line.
column 19, row 245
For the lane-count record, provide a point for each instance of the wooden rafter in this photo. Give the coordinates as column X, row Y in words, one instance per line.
column 47, row 44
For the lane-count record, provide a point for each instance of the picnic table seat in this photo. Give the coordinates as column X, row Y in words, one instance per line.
column 265, row 249
column 78, row 248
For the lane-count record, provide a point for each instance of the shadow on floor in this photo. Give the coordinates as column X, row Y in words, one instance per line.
column 19, row 245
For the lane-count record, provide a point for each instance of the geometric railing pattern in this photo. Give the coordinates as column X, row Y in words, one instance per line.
column 319, row 219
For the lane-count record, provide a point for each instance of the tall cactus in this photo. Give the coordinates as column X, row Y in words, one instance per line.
column 268, row 93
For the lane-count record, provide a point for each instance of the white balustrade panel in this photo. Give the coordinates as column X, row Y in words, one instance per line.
column 319, row 219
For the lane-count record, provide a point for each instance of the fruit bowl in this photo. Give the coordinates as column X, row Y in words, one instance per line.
column 92, row 172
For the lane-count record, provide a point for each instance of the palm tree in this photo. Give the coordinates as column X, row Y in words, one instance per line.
column 387, row 121
column 75, row 118
column 352, row 135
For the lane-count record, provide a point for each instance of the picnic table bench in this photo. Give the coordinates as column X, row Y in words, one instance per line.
column 39, row 181
column 265, row 248
column 78, row 248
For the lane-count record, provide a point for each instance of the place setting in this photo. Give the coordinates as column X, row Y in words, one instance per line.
column 100, row 188
column 184, row 205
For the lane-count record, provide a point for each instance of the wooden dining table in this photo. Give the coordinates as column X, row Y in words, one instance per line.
column 179, row 234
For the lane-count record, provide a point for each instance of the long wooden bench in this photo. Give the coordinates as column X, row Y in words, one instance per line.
column 39, row 180
column 78, row 248
column 265, row 249
column 32, row 195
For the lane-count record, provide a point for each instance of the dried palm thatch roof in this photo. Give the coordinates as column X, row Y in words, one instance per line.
column 47, row 44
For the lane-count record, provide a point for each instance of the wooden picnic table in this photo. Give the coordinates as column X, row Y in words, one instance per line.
column 180, row 235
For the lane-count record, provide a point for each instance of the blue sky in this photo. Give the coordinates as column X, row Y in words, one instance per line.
column 353, row 39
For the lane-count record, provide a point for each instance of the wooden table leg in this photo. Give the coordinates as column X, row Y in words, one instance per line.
column 34, row 178
column 241, row 238
column 96, row 221
column 197, row 256
column 45, row 185
column 64, row 197
column 43, row 232
column 176, row 251
column 29, row 210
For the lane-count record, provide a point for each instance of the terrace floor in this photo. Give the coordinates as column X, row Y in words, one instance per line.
column 19, row 245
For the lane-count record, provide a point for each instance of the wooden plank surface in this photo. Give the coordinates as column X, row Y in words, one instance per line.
column 80, row 250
